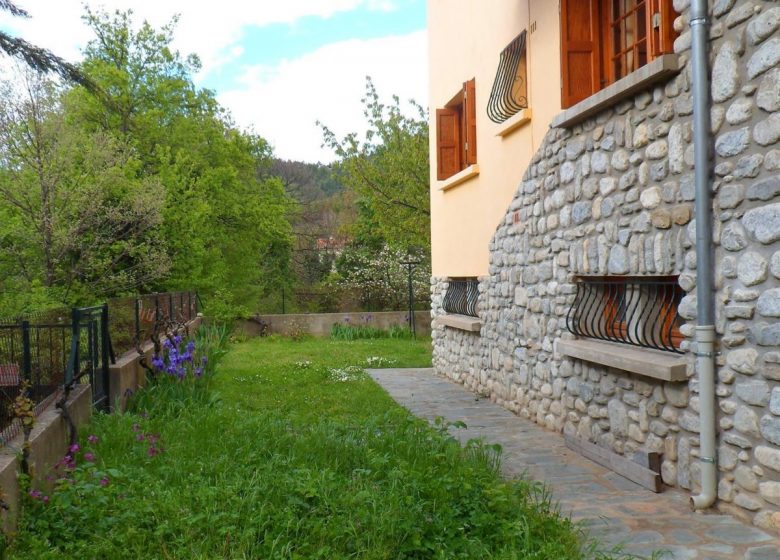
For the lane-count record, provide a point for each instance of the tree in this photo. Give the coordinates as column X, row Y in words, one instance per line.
column 76, row 222
column 35, row 57
column 223, row 222
column 389, row 169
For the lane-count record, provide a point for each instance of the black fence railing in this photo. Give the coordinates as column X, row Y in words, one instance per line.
column 461, row 296
column 56, row 348
column 34, row 348
column 640, row 311
column 132, row 319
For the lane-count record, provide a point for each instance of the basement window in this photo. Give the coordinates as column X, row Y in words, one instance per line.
column 635, row 310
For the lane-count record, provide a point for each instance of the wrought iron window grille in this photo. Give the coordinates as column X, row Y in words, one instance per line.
column 640, row 311
column 508, row 96
column 461, row 296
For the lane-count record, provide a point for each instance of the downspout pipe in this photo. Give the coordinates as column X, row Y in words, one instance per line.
column 705, row 308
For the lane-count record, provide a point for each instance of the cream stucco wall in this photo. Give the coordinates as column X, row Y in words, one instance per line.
column 466, row 38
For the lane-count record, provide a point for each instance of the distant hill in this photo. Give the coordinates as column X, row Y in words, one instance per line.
column 307, row 182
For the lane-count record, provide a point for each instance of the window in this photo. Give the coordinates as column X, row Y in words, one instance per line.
column 456, row 133
column 636, row 310
column 603, row 41
column 461, row 297
column 510, row 88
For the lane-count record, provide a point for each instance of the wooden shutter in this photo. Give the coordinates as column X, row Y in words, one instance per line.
column 447, row 142
column 580, row 51
column 662, row 33
column 470, row 122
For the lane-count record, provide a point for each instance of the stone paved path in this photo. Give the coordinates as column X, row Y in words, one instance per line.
column 615, row 509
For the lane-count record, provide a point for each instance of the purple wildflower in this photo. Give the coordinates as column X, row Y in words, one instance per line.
column 45, row 499
column 89, row 457
column 104, row 481
column 139, row 437
column 93, row 439
column 198, row 372
column 35, row 494
column 74, row 448
column 158, row 363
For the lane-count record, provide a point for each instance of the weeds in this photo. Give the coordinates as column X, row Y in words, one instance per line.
column 287, row 465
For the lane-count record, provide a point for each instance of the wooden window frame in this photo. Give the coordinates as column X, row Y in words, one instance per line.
column 587, row 34
column 456, row 133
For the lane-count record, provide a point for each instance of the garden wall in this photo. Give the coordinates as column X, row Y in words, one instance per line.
column 320, row 324
column 614, row 196
column 50, row 436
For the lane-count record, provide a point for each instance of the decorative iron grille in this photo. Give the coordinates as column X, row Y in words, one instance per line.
column 641, row 311
column 508, row 96
column 461, row 297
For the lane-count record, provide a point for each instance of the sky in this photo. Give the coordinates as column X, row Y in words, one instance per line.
column 278, row 66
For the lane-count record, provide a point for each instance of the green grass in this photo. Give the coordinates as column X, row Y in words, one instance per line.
column 297, row 455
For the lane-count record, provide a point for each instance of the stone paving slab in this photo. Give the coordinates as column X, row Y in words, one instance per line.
column 613, row 508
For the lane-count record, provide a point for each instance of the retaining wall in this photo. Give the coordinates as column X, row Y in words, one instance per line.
column 50, row 436
column 320, row 324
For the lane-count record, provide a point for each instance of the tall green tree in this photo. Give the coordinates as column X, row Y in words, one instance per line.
column 76, row 220
column 388, row 168
column 223, row 221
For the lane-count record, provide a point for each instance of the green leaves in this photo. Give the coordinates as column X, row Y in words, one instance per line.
column 389, row 168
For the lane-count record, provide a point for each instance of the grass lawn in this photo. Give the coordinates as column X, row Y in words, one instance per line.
column 289, row 451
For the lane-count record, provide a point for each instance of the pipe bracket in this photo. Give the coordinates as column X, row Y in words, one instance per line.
column 707, row 460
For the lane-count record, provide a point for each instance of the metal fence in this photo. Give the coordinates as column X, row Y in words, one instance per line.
column 33, row 348
column 640, row 311
column 63, row 346
column 131, row 320
column 462, row 296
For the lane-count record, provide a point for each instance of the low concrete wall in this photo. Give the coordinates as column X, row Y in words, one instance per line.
column 50, row 437
column 48, row 444
column 127, row 375
column 320, row 324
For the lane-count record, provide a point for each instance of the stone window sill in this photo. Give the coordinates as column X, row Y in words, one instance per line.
column 515, row 122
column 657, row 70
column 642, row 361
column 462, row 322
column 459, row 178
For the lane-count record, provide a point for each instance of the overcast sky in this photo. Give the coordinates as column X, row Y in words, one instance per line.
column 277, row 65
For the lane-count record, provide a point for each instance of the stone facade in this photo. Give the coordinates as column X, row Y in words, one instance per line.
column 614, row 196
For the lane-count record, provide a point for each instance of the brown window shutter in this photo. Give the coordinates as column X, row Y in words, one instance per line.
column 470, row 121
column 662, row 33
column 580, row 67
column 447, row 143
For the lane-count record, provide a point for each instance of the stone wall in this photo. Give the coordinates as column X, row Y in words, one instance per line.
column 614, row 196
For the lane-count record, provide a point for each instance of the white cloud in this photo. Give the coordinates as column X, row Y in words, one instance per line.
column 283, row 103
column 208, row 29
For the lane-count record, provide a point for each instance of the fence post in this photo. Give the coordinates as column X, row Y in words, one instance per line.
column 75, row 359
column 26, row 354
column 105, row 350
column 138, row 320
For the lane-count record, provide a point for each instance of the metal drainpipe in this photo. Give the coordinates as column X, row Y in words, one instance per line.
column 705, row 328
